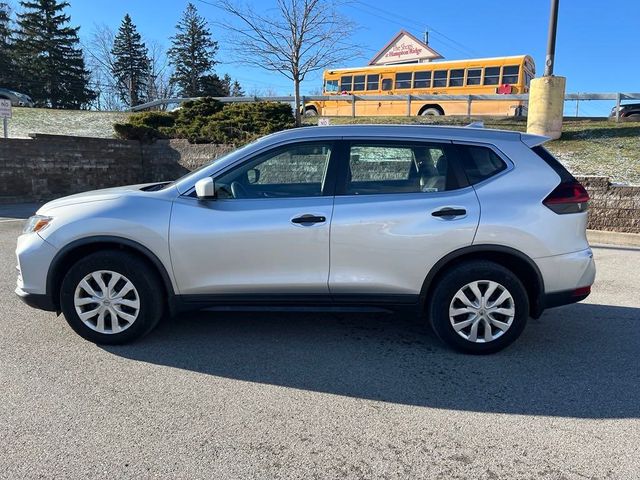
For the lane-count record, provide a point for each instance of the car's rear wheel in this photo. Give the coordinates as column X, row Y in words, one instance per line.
column 111, row 297
column 479, row 307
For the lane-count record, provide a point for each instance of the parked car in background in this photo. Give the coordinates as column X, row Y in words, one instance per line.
column 477, row 229
column 629, row 112
column 17, row 99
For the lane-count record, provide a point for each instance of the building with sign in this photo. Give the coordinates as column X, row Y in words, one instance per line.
column 405, row 48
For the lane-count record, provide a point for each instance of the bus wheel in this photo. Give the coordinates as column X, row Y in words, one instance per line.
column 310, row 112
column 431, row 111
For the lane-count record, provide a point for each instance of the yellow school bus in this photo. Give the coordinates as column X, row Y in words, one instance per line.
column 480, row 76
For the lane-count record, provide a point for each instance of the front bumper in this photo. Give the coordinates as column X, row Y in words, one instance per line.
column 34, row 256
column 35, row 300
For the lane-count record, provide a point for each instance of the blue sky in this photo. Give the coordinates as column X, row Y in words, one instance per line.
column 598, row 43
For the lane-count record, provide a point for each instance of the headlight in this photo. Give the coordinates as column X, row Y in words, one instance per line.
column 36, row 223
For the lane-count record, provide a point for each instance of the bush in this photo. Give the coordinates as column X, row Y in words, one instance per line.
column 145, row 126
column 210, row 121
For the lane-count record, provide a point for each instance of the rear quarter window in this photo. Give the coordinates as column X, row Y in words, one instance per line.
column 481, row 163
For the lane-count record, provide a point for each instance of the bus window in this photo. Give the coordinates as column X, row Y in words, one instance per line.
column 372, row 82
column 456, row 78
column 422, row 80
column 358, row 83
column 331, row 86
column 387, row 84
column 527, row 78
column 491, row 75
column 403, row 80
column 439, row 78
column 345, row 83
column 510, row 74
column 473, row 76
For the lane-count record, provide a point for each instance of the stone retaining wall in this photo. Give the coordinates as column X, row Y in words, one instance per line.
column 49, row 166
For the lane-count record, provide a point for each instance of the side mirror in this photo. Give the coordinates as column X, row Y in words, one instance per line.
column 205, row 188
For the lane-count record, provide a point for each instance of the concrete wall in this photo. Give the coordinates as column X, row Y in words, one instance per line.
column 49, row 166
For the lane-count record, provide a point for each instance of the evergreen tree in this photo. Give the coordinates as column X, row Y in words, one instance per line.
column 192, row 54
column 8, row 72
column 131, row 67
column 236, row 89
column 212, row 86
column 49, row 58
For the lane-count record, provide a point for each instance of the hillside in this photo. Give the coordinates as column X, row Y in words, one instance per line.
column 82, row 123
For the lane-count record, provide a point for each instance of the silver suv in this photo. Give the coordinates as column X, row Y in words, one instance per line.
column 478, row 229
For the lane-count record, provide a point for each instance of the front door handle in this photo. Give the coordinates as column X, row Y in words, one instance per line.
column 449, row 212
column 309, row 219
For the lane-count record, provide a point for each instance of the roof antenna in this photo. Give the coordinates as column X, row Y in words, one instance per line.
column 475, row 125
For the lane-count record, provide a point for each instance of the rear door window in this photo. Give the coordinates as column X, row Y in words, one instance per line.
column 398, row 167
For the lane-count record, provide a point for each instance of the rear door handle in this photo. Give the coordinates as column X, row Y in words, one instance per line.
column 309, row 219
column 449, row 212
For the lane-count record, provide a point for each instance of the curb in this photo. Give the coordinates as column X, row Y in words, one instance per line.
column 613, row 238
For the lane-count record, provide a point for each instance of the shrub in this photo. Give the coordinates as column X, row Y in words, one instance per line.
column 209, row 121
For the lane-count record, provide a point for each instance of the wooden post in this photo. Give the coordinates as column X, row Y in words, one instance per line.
column 303, row 105
column 353, row 106
column 618, row 99
column 469, row 107
column 408, row 105
column 5, row 124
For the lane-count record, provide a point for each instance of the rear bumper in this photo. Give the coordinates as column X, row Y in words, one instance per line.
column 568, row 272
column 557, row 299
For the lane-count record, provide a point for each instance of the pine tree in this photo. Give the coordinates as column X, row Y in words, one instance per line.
column 8, row 78
column 131, row 67
column 192, row 53
column 236, row 89
column 49, row 58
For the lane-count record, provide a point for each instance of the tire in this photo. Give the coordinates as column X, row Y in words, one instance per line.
column 457, row 283
column 131, row 322
column 430, row 112
column 310, row 112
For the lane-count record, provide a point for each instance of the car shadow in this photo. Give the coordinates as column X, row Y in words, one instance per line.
column 576, row 361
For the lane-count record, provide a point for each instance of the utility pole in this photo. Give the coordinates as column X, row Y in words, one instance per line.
column 551, row 39
column 546, row 93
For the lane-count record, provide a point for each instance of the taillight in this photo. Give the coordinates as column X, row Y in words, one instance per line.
column 568, row 197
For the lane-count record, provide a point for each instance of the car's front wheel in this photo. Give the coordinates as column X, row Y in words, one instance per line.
column 111, row 298
column 479, row 307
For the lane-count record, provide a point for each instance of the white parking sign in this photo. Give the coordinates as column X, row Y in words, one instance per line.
column 5, row 108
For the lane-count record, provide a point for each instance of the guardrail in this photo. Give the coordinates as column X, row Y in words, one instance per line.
column 469, row 99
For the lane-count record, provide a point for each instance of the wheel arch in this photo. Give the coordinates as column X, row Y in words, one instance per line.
column 519, row 263
column 431, row 105
column 77, row 249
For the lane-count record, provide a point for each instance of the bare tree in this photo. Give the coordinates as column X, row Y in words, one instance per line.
column 160, row 84
column 100, row 60
column 302, row 37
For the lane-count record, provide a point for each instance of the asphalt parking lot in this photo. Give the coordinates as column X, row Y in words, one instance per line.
column 273, row 395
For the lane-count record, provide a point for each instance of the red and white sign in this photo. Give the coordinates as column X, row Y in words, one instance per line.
column 404, row 48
